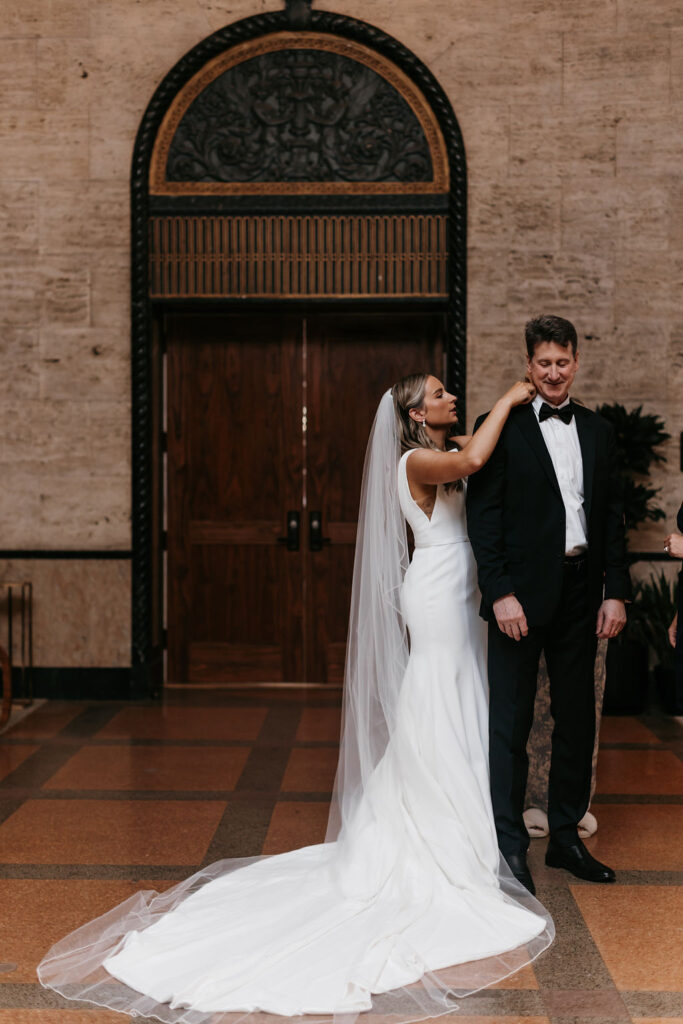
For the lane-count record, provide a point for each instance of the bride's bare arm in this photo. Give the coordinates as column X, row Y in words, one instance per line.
column 431, row 467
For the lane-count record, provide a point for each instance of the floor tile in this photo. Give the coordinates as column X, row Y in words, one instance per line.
column 459, row 1018
column 310, row 770
column 185, row 723
column 47, row 720
column 12, row 755
column 151, row 768
column 639, row 771
column 524, row 978
column 49, row 910
column 655, row 1005
column 321, row 724
column 50, row 1016
column 583, row 1003
column 296, row 824
column 657, row 1020
column 637, row 930
column 645, row 837
column 109, row 831
column 625, row 729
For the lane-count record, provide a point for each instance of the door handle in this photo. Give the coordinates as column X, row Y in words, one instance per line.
column 291, row 538
column 315, row 532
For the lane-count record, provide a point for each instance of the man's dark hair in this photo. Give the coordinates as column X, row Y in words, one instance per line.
column 549, row 328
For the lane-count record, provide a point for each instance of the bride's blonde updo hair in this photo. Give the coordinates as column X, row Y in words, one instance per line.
column 409, row 393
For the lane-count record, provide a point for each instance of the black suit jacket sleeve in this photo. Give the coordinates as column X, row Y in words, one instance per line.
column 617, row 579
column 485, row 526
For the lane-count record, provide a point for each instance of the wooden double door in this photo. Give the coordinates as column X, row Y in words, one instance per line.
column 268, row 418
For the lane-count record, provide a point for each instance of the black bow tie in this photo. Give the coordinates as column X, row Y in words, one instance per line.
column 546, row 411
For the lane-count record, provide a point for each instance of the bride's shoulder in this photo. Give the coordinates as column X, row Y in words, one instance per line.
column 407, row 454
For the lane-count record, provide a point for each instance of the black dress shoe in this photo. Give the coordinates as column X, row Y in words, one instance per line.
column 578, row 861
column 518, row 866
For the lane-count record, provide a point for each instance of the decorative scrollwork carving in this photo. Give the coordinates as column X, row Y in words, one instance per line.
column 299, row 115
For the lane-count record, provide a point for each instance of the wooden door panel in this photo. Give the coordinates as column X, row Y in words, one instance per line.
column 241, row 607
column 351, row 362
column 212, row 531
column 235, row 607
column 234, row 663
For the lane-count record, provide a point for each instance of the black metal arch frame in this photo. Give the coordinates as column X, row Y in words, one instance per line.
column 146, row 650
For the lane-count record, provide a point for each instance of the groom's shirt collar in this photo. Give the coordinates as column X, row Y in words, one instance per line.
column 539, row 400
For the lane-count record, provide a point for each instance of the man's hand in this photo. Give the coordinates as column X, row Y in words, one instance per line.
column 611, row 618
column 673, row 629
column 510, row 617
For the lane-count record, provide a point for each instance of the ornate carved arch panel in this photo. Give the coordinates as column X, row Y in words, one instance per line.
column 283, row 117
column 295, row 156
column 299, row 113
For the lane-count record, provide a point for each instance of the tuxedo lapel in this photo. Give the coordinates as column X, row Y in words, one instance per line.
column 585, row 426
column 527, row 422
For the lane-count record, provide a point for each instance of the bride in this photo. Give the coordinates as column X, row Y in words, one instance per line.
column 407, row 906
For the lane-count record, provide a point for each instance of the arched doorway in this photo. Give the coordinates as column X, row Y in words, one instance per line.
column 298, row 243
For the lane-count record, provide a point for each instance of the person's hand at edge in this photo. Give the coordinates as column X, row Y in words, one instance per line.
column 510, row 617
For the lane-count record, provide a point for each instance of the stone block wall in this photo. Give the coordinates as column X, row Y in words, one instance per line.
column 572, row 116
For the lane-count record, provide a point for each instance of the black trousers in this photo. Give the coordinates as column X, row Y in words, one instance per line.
column 678, row 653
column 569, row 643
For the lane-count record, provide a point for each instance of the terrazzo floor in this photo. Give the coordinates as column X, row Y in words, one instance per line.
column 100, row 799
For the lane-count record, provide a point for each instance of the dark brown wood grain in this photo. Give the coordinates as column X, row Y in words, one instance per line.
column 234, row 469
column 240, row 606
column 352, row 360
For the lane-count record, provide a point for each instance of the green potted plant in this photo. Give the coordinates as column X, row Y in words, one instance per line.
column 639, row 436
column 654, row 606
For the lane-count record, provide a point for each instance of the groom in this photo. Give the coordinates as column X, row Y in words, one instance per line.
column 546, row 524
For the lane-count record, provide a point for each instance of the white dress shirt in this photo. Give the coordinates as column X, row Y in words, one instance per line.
column 562, row 442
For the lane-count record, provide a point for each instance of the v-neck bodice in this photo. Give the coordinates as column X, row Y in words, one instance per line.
column 447, row 524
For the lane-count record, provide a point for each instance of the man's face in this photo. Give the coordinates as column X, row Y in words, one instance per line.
column 552, row 370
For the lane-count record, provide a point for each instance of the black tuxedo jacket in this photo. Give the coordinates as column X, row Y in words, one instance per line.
column 516, row 517
column 679, row 629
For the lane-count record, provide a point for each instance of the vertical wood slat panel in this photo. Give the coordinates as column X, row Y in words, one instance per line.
column 286, row 255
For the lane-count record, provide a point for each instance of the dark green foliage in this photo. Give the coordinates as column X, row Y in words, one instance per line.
column 639, row 504
column 651, row 614
column 638, row 437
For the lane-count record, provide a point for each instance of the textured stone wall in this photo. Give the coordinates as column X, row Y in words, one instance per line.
column 572, row 115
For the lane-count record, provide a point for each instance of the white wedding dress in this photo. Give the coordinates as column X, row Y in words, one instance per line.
column 412, row 886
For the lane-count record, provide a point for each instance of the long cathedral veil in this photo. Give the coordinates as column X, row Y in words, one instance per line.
column 377, row 656
column 377, row 644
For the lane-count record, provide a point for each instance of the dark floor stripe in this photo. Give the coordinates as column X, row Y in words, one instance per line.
column 268, row 759
column 8, row 805
column 643, row 877
column 18, row 794
column 34, row 996
column 91, row 720
column 37, row 769
column 241, row 831
column 243, row 828
column 654, row 1004
column 106, row 872
column 559, row 967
